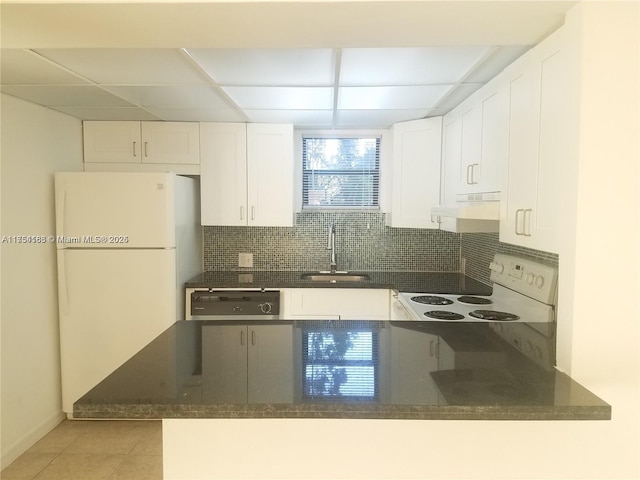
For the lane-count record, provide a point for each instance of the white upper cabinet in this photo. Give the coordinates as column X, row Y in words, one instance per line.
column 494, row 148
column 537, row 145
column 141, row 146
column 416, row 172
column 170, row 142
column 270, row 177
column 246, row 174
column 476, row 143
column 112, row 142
column 471, row 142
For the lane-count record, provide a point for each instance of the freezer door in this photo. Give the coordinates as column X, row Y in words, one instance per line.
column 115, row 210
column 112, row 303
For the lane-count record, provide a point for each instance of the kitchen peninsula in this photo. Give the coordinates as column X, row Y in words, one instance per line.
column 336, row 369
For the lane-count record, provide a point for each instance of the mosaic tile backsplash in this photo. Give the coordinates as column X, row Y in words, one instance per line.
column 363, row 242
column 478, row 250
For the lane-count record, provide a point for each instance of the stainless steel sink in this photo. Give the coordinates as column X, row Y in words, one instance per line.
column 334, row 277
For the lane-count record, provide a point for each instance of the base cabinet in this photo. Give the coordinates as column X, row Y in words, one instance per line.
column 335, row 303
column 247, row 363
column 414, row 355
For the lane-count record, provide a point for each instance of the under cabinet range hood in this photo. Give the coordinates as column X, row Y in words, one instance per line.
column 472, row 213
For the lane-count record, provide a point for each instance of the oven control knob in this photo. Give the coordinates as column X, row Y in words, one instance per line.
column 265, row 307
column 530, row 278
column 496, row 267
column 539, row 281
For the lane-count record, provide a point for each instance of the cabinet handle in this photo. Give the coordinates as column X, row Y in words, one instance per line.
column 526, row 222
column 134, row 149
column 469, row 174
column 431, row 348
column 253, row 212
column 474, row 181
column 438, row 350
column 435, row 218
column 241, row 212
column 518, row 232
column 146, row 144
column 253, row 337
column 241, row 337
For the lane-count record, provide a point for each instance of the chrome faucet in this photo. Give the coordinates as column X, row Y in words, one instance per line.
column 331, row 245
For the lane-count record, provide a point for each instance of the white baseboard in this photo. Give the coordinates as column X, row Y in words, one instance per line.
column 11, row 452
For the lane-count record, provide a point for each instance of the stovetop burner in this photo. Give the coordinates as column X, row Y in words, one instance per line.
column 494, row 315
column 431, row 300
column 443, row 315
column 468, row 299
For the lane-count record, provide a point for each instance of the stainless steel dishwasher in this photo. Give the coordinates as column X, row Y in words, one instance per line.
column 222, row 304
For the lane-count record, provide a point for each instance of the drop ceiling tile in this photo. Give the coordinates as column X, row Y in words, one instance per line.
column 300, row 118
column 267, row 67
column 390, row 98
column 199, row 114
column 65, row 95
column 184, row 97
column 281, row 98
column 128, row 66
column 376, row 118
column 21, row 67
column 90, row 113
column 407, row 66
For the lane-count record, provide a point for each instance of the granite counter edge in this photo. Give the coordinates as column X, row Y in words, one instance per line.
column 401, row 412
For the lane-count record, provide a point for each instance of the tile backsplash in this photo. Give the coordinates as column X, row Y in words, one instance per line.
column 478, row 250
column 363, row 242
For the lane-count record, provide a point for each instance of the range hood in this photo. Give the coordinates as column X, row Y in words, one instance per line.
column 472, row 213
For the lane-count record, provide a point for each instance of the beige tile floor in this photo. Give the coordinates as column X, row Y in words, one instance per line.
column 93, row 450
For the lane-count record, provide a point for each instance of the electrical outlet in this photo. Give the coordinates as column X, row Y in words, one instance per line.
column 245, row 260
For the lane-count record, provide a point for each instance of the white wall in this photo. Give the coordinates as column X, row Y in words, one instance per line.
column 599, row 342
column 36, row 141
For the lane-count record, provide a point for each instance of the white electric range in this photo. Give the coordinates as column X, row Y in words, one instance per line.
column 521, row 308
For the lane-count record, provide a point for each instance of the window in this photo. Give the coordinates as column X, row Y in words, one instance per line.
column 340, row 171
column 340, row 364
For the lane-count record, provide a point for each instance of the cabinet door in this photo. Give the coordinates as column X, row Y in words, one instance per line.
column 413, row 357
column 550, row 112
column 270, row 175
column 471, row 145
column 537, row 145
column 224, row 363
column 170, row 142
column 520, row 179
column 416, row 173
column 270, row 372
column 112, row 142
column 342, row 303
column 451, row 158
column 223, row 173
column 494, row 149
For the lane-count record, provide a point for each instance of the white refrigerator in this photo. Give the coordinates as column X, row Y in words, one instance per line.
column 126, row 244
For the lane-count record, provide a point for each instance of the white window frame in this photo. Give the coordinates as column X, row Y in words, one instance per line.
column 386, row 149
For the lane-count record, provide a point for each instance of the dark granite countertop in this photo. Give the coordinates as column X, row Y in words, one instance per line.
column 336, row 369
column 415, row 282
